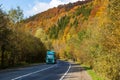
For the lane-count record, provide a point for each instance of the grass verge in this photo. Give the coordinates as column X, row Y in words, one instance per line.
column 92, row 73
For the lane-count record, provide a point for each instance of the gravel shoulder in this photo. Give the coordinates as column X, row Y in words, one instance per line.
column 77, row 73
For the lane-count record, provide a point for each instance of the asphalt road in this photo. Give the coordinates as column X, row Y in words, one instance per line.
column 38, row 72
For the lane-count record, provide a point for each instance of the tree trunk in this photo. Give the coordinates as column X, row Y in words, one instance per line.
column 2, row 56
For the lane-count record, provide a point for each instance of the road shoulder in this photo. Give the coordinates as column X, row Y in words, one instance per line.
column 77, row 73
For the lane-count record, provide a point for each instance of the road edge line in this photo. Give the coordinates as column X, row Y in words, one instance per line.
column 65, row 72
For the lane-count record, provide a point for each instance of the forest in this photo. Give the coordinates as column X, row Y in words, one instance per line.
column 18, row 47
column 88, row 33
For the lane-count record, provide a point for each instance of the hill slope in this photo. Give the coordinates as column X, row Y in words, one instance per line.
column 47, row 18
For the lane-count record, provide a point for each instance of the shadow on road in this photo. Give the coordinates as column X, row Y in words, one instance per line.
column 78, row 68
column 78, row 72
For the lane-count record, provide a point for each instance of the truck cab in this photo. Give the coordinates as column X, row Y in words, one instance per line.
column 50, row 57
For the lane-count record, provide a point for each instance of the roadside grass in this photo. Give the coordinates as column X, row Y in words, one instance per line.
column 92, row 73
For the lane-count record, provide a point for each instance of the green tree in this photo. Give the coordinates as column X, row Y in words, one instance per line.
column 4, row 33
column 16, row 15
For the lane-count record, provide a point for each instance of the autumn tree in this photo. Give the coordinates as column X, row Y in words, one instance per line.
column 40, row 33
column 112, row 40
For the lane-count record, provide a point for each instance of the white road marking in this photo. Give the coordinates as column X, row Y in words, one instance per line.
column 65, row 72
column 32, row 73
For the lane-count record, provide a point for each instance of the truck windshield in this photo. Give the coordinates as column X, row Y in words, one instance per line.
column 50, row 56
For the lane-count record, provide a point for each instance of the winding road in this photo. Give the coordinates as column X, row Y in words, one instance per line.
column 38, row 72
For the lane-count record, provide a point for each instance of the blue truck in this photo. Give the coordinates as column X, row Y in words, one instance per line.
column 50, row 57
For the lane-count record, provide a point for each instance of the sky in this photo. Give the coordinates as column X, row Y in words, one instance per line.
column 32, row 7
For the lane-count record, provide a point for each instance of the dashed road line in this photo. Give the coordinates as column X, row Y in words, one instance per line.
column 33, row 73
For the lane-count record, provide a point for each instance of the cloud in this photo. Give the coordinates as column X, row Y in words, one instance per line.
column 55, row 3
column 38, row 7
column 42, row 6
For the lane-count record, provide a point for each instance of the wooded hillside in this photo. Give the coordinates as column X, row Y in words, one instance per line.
column 87, row 32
